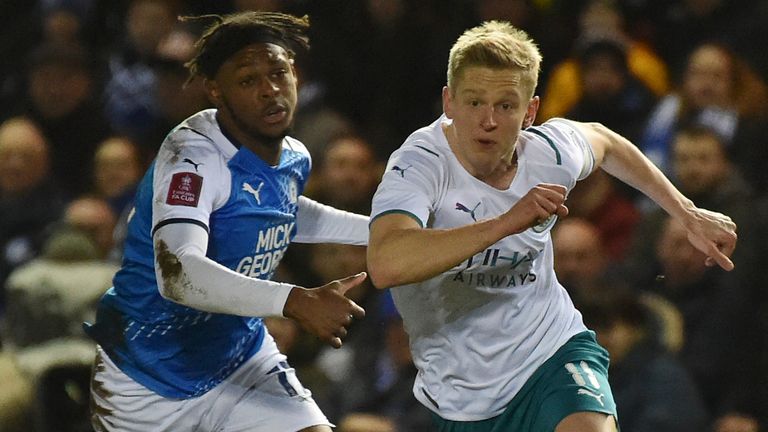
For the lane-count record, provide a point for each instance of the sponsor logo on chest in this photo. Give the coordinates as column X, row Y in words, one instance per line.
column 271, row 244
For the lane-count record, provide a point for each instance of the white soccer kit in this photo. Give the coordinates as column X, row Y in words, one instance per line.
column 480, row 330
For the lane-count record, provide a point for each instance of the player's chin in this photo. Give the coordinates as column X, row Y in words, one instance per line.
column 275, row 132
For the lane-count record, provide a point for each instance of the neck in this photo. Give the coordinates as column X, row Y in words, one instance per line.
column 268, row 152
column 499, row 174
column 502, row 175
column 265, row 147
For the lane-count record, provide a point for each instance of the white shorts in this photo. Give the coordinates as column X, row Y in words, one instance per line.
column 263, row 395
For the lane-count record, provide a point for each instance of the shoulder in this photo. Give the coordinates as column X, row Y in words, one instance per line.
column 426, row 143
column 296, row 148
column 292, row 144
column 197, row 136
column 421, row 162
column 558, row 142
column 550, row 140
column 422, row 151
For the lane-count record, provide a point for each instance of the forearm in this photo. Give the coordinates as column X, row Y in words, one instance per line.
column 625, row 161
column 408, row 254
column 211, row 287
column 186, row 276
column 320, row 223
column 710, row 232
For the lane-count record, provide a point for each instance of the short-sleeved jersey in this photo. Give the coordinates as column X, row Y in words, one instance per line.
column 481, row 329
column 249, row 210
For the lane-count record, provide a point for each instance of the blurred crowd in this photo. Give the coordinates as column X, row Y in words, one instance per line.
column 89, row 89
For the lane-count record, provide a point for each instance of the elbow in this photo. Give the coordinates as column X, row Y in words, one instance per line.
column 382, row 276
column 597, row 127
column 169, row 273
column 381, row 280
column 170, row 292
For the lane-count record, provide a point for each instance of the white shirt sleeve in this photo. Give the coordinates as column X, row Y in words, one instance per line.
column 186, row 276
column 320, row 223
column 410, row 184
column 575, row 151
column 190, row 181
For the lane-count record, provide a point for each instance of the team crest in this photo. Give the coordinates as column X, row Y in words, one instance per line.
column 540, row 228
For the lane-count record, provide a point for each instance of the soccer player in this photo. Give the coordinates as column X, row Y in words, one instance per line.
column 460, row 227
column 181, row 346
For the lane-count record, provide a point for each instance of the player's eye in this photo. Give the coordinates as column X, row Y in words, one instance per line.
column 247, row 81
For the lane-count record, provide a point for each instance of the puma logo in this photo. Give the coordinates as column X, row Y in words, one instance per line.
column 255, row 192
column 465, row 209
column 193, row 163
column 401, row 171
column 599, row 397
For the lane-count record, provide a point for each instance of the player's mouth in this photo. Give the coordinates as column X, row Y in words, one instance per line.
column 485, row 142
column 275, row 114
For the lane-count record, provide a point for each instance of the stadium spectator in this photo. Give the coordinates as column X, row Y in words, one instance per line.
column 654, row 390
column 600, row 20
column 720, row 91
column 63, row 99
column 611, row 95
column 48, row 299
column 348, row 173
column 117, row 170
column 131, row 101
column 94, row 216
column 29, row 197
column 602, row 200
column 719, row 348
column 701, row 169
column 581, row 263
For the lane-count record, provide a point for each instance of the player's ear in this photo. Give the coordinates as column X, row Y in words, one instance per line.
column 530, row 114
column 447, row 102
column 213, row 91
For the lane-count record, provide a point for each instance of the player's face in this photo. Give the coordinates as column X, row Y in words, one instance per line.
column 488, row 108
column 255, row 90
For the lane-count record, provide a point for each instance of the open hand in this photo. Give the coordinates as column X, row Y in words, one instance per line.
column 325, row 311
column 714, row 234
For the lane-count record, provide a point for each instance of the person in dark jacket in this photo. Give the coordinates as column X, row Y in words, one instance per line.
column 652, row 388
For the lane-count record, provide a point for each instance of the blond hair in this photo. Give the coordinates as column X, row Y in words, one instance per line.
column 497, row 45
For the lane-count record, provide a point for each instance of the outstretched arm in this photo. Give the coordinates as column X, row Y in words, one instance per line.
column 186, row 276
column 400, row 251
column 710, row 232
column 321, row 223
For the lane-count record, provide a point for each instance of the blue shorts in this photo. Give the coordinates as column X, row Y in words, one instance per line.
column 574, row 379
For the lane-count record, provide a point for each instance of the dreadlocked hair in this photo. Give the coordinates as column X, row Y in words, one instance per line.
column 230, row 33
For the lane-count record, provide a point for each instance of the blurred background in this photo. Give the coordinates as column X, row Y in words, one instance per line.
column 89, row 89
